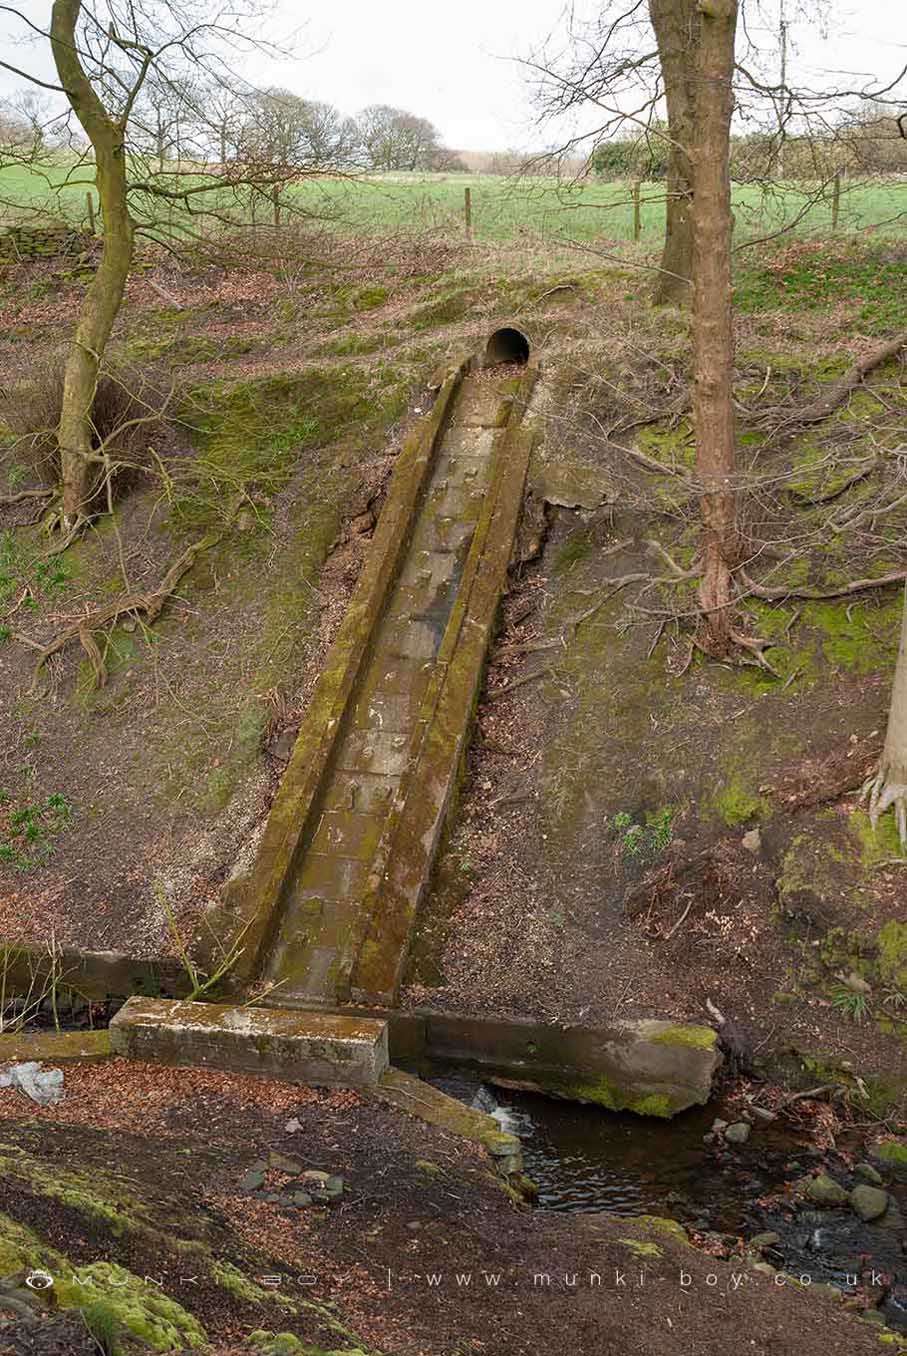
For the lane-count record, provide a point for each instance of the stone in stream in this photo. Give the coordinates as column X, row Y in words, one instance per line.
column 822, row 1190
column 760, row 1241
column 738, row 1133
column 867, row 1173
column 868, row 1202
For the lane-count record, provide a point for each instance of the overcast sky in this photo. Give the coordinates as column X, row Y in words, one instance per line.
column 457, row 64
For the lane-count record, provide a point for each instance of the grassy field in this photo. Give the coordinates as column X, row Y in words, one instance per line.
column 503, row 209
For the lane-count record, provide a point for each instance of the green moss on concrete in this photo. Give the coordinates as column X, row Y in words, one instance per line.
column 603, row 1092
column 697, row 1037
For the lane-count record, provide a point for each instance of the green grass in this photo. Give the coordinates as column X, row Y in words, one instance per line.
column 28, row 830
column 502, row 209
column 806, row 277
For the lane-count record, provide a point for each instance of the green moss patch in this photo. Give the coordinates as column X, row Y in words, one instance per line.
column 114, row 1299
column 737, row 802
column 892, row 955
column 697, row 1037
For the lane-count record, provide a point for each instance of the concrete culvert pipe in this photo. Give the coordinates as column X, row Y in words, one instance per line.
column 507, row 345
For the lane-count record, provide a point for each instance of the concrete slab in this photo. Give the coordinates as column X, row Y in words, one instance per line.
column 298, row 1047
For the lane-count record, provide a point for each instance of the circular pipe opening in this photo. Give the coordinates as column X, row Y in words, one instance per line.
column 507, row 345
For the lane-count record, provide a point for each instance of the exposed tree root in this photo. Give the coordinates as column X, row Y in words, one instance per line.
column 23, row 495
column 839, row 390
column 884, row 794
column 844, row 591
column 149, row 605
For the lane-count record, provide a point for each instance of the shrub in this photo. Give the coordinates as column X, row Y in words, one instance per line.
column 31, row 412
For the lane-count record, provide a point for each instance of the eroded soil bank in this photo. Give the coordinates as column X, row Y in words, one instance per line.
column 143, row 1173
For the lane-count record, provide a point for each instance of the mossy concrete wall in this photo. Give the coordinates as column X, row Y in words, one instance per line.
column 55, row 1047
column 653, row 1068
column 413, row 835
column 29, row 970
column 250, row 907
column 313, row 1048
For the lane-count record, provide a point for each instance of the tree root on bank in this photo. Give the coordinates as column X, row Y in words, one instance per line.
column 782, row 591
column 882, row 794
column 150, row 605
column 21, row 496
column 838, row 391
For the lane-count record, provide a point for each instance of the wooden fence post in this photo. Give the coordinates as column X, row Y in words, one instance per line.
column 835, row 200
column 637, row 214
column 89, row 200
column 467, row 212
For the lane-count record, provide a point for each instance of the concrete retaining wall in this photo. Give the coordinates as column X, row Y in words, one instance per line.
column 317, row 1049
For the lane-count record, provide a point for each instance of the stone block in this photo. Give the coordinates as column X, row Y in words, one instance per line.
column 297, row 1047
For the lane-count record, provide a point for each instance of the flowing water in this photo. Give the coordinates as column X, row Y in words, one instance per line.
column 584, row 1159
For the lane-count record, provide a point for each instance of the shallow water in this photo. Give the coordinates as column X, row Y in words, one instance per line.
column 584, row 1159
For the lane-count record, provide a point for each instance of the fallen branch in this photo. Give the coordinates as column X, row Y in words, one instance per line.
column 844, row 591
column 150, row 604
column 839, row 390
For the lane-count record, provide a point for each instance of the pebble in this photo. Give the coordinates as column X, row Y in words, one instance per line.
column 738, row 1133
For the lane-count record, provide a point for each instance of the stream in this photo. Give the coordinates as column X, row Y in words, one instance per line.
column 584, row 1159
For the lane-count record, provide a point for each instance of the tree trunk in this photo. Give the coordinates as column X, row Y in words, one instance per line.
column 676, row 25
column 713, row 332
column 890, row 785
column 102, row 300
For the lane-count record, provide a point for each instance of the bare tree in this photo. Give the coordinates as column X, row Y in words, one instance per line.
column 110, row 55
column 676, row 27
column 393, row 139
column 713, row 330
column 282, row 128
column 889, row 786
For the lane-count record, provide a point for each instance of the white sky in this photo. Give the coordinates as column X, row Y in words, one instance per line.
column 455, row 63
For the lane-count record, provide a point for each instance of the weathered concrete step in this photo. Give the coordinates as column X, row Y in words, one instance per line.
column 318, row 1049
